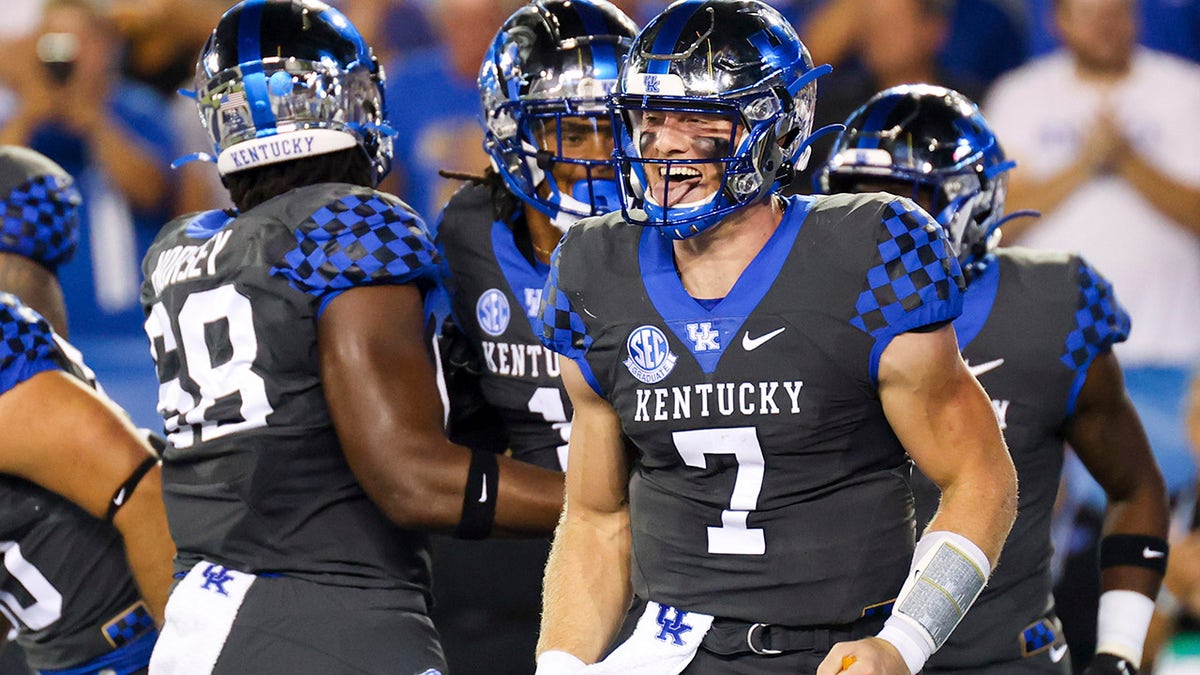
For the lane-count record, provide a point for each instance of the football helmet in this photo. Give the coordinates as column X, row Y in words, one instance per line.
column 284, row 79
column 41, row 207
column 739, row 87
column 543, row 88
column 933, row 145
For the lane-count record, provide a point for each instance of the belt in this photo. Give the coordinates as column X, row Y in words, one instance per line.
column 129, row 625
column 728, row 636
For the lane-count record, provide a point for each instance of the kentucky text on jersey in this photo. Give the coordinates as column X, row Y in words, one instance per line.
column 183, row 262
column 720, row 398
column 284, row 147
column 507, row 358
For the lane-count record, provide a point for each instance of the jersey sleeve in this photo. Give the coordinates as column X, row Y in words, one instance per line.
column 355, row 240
column 1100, row 322
column 29, row 346
column 914, row 280
column 41, row 221
column 562, row 329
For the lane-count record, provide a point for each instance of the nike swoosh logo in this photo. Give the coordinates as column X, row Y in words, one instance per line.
column 483, row 492
column 1151, row 553
column 120, row 498
column 1057, row 653
column 984, row 367
column 750, row 344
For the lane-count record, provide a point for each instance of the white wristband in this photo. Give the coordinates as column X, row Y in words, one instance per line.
column 558, row 662
column 909, row 640
column 1121, row 624
column 947, row 573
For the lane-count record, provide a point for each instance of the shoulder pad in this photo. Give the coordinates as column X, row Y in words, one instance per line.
column 915, row 281
column 41, row 220
column 562, row 329
column 28, row 346
column 357, row 237
column 1100, row 321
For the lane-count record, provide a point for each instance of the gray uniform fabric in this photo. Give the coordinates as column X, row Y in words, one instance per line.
column 767, row 485
column 496, row 288
column 79, row 557
column 255, row 478
column 1031, row 325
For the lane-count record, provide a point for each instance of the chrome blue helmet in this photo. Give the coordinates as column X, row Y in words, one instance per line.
column 733, row 76
column 41, row 207
column 543, row 88
column 933, row 145
column 284, row 79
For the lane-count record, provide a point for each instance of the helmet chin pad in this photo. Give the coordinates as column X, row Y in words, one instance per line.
column 597, row 193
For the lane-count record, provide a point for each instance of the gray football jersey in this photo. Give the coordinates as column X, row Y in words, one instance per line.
column 767, row 485
column 255, row 478
column 496, row 291
column 1032, row 324
column 65, row 576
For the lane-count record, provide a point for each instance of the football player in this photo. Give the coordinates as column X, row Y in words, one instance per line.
column 1037, row 329
column 747, row 373
column 83, row 531
column 307, row 459
column 543, row 86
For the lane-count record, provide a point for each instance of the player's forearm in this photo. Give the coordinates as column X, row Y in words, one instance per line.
column 445, row 488
column 1142, row 513
column 587, row 585
column 142, row 522
column 981, row 505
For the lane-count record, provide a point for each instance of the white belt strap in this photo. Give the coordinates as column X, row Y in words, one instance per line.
column 199, row 616
column 664, row 643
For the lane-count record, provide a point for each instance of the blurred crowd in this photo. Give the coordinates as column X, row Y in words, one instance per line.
column 1095, row 99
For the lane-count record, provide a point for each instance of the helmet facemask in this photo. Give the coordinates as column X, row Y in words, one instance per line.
column 543, row 88
column 269, row 108
column 740, row 62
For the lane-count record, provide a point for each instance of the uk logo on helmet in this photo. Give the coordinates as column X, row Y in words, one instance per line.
column 492, row 312
column 650, row 358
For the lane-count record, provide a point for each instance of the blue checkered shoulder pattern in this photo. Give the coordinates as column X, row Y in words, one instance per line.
column 28, row 346
column 916, row 281
column 357, row 240
column 562, row 327
column 41, row 220
column 1100, row 321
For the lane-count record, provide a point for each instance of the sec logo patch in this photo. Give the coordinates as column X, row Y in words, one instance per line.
column 650, row 358
column 492, row 312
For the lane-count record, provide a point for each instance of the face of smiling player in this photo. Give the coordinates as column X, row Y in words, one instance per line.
column 667, row 137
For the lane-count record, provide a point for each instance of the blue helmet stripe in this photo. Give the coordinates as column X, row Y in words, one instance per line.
column 668, row 36
column 250, row 58
column 347, row 31
column 869, row 136
column 604, row 56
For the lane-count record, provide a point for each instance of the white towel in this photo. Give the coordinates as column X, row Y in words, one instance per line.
column 664, row 643
column 199, row 616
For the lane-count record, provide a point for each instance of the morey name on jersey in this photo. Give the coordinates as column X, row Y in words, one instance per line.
column 255, row 476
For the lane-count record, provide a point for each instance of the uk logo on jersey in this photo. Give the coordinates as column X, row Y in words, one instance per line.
column 703, row 337
column 671, row 626
column 492, row 312
column 533, row 301
column 650, row 358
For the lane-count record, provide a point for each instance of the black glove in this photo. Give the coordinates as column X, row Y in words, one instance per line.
column 1107, row 664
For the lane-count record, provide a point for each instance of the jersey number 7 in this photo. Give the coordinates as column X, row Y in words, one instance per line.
column 733, row 537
